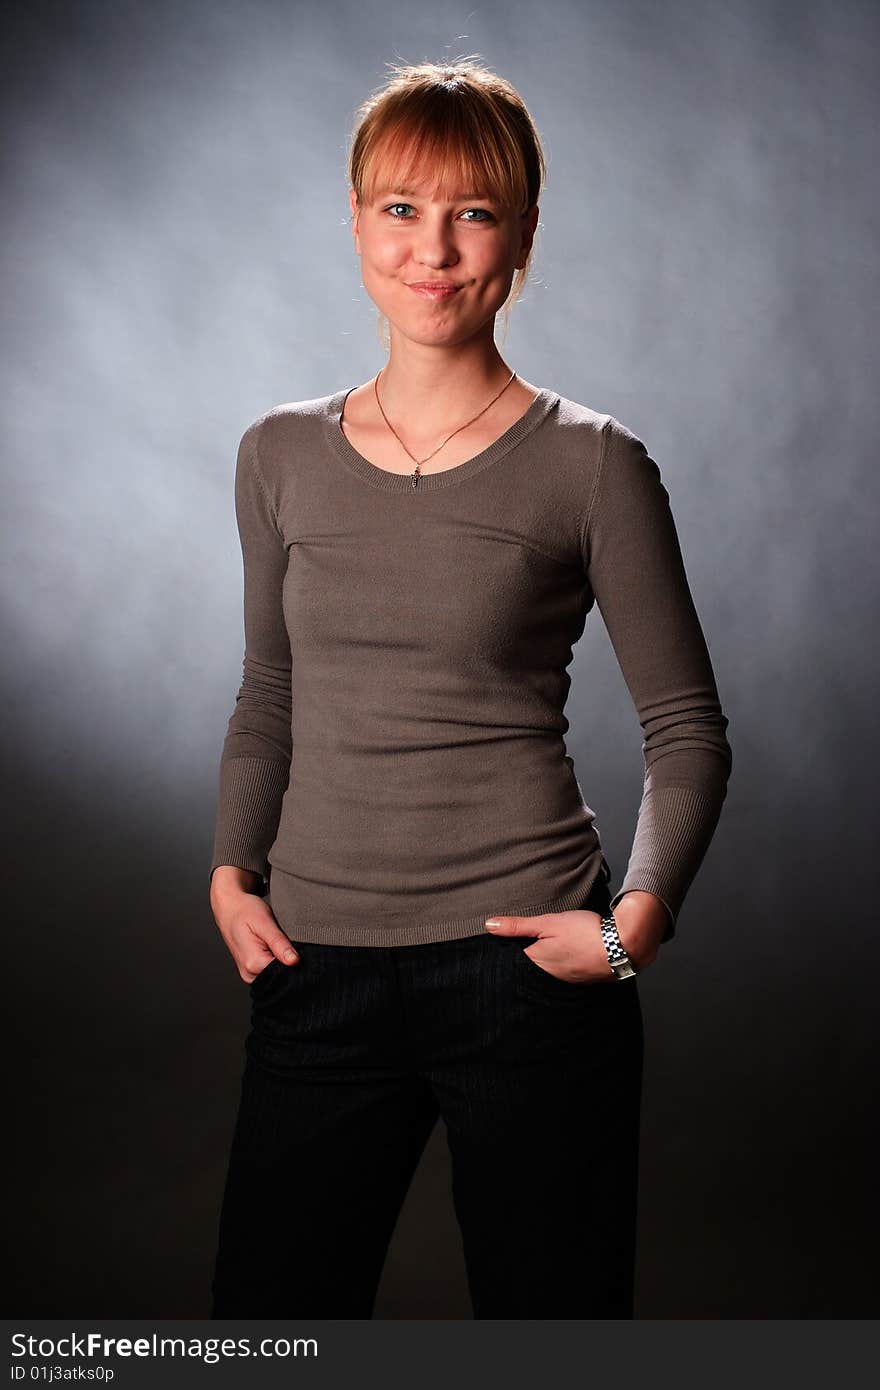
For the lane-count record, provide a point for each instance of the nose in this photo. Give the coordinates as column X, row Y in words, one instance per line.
column 435, row 244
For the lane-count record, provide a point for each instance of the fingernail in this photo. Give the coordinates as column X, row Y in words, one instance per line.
column 493, row 922
column 290, row 954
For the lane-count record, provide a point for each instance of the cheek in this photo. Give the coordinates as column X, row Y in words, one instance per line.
column 381, row 256
column 492, row 263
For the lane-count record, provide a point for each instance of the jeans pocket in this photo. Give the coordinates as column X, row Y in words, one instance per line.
column 270, row 986
column 536, row 977
column 267, row 973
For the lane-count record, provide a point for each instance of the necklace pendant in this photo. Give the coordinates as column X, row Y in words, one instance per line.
column 415, row 477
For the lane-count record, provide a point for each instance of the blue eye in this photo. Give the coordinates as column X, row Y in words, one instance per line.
column 484, row 213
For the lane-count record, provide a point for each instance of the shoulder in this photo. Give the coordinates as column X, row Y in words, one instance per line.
column 615, row 474
column 628, row 486
column 287, row 422
column 599, row 451
column 607, row 440
column 281, row 437
column 578, row 421
column 569, row 445
column 612, row 435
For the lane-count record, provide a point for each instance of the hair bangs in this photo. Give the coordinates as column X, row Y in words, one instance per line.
column 444, row 159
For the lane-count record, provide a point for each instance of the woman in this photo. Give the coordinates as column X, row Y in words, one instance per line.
column 405, row 871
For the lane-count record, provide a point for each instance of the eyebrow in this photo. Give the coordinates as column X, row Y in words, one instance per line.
column 414, row 193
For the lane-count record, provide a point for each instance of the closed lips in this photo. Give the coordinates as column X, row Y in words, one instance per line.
column 438, row 293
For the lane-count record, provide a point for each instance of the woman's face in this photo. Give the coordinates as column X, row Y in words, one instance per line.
column 408, row 237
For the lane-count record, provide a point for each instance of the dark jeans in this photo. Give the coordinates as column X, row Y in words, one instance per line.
column 351, row 1058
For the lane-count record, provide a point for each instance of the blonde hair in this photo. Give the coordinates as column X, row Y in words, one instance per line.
column 459, row 119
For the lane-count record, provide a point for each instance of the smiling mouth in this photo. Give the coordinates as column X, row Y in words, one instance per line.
column 438, row 290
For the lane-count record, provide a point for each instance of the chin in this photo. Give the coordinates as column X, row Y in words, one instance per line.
column 444, row 336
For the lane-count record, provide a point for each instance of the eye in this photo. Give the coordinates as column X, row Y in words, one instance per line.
column 483, row 213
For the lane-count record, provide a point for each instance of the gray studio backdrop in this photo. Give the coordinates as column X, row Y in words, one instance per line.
column 176, row 259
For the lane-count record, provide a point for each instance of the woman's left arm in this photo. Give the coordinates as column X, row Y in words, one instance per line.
column 633, row 561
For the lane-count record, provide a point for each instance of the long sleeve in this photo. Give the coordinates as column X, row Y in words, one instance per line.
column 634, row 565
column 256, row 755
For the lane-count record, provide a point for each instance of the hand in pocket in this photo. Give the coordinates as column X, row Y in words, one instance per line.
column 252, row 934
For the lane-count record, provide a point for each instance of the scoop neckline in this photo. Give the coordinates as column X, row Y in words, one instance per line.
column 387, row 481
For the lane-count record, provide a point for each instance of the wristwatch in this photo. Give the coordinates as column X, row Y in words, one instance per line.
column 619, row 961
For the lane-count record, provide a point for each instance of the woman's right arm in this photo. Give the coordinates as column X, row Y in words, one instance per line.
column 256, row 755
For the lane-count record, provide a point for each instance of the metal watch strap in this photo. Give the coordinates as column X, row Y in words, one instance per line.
column 619, row 961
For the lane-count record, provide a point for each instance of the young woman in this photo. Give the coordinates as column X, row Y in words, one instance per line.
column 405, row 871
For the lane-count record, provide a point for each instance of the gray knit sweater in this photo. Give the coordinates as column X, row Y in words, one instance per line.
column 395, row 765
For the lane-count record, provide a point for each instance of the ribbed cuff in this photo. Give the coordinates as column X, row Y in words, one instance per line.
column 248, row 811
column 674, row 830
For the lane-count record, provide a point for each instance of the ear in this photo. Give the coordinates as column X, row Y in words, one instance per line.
column 527, row 234
column 355, row 211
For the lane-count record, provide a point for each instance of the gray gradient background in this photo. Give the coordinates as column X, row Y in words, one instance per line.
column 176, row 259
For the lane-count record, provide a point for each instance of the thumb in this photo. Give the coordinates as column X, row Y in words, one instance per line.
column 282, row 948
column 276, row 941
column 511, row 926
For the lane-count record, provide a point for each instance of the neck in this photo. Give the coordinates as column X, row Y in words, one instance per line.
column 429, row 386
